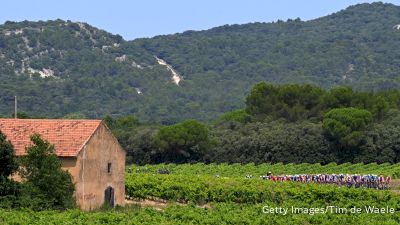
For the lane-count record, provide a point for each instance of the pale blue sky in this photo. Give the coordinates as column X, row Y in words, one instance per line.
column 147, row 18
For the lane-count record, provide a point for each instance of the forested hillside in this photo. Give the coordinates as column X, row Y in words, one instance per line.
column 59, row 68
column 356, row 46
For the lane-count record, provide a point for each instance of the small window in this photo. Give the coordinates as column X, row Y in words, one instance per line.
column 109, row 167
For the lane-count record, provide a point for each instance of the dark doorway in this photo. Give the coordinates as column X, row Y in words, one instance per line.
column 109, row 197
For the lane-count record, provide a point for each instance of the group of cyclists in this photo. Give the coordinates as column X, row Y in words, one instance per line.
column 349, row 180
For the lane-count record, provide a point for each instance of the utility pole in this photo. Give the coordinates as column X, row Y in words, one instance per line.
column 15, row 107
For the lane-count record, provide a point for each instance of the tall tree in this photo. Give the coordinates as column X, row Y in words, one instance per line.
column 8, row 162
column 345, row 124
column 182, row 142
column 8, row 165
column 45, row 180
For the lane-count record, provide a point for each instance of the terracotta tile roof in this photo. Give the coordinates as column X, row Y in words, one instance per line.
column 68, row 136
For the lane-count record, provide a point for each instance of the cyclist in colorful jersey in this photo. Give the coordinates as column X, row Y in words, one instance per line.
column 387, row 183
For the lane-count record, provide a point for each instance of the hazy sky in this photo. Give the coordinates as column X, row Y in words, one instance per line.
column 147, row 18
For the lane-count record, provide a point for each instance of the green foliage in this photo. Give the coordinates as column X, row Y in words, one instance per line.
column 198, row 183
column 239, row 115
column 291, row 101
column 220, row 213
column 238, row 170
column 301, row 102
column 265, row 139
column 339, row 97
column 259, row 98
column 354, row 47
column 136, row 138
column 202, row 189
column 382, row 141
column 46, row 184
column 230, row 199
column 183, row 141
column 23, row 115
column 270, row 142
column 127, row 122
column 380, row 107
column 122, row 122
column 74, row 116
column 8, row 161
column 346, row 124
column 8, row 165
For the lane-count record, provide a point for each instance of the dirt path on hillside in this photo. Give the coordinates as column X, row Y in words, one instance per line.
column 175, row 76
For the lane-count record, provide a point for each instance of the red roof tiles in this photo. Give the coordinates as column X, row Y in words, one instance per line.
column 67, row 136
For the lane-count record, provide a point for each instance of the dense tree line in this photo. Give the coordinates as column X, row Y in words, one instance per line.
column 299, row 102
column 281, row 123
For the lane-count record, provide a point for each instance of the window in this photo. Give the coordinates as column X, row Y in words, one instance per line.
column 109, row 167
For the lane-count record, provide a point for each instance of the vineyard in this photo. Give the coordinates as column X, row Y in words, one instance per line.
column 201, row 189
column 238, row 170
column 231, row 198
column 222, row 213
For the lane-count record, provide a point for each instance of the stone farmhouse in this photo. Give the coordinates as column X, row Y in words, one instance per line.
column 86, row 148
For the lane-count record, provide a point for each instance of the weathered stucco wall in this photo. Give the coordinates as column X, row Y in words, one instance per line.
column 91, row 167
column 69, row 164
